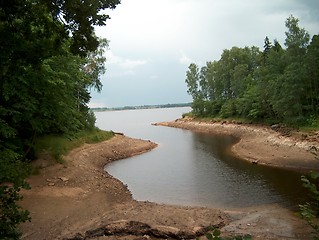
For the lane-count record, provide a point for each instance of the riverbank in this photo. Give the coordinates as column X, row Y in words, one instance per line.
column 261, row 144
column 80, row 196
column 79, row 200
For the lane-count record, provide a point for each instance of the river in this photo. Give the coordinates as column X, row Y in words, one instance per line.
column 195, row 169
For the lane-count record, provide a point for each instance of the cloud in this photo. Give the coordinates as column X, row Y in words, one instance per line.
column 185, row 60
column 130, row 64
column 124, row 63
column 96, row 104
column 152, row 42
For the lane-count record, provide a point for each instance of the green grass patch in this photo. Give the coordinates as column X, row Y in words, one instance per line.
column 312, row 124
column 59, row 145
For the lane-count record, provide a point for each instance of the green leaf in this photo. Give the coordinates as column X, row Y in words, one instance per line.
column 216, row 233
column 209, row 236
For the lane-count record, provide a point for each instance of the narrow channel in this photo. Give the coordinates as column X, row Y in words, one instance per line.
column 194, row 169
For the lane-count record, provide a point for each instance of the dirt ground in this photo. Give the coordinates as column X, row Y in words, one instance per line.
column 79, row 200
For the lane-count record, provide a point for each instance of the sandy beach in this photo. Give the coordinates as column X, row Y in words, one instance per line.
column 79, row 200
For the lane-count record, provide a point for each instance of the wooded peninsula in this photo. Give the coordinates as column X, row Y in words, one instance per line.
column 276, row 85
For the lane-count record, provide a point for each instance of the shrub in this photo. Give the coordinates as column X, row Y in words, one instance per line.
column 310, row 210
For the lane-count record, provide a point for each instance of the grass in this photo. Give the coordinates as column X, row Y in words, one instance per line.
column 312, row 125
column 57, row 145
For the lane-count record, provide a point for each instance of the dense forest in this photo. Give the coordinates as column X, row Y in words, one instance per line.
column 50, row 58
column 276, row 85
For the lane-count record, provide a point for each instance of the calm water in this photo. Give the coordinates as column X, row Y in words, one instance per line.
column 189, row 168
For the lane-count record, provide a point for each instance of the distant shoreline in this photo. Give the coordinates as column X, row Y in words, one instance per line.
column 169, row 105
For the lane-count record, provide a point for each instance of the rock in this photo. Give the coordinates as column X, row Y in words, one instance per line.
column 63, row 179
column 275, row 126
column 127, row 227
column 95, row 233
column 78, row 236
column 51, row 184
column 135, row 228
column 166, row 231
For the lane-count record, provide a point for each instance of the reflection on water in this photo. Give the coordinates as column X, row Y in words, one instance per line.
column 194, row 168
column 243, row 183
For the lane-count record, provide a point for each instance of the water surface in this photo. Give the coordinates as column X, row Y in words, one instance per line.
column 197, row 169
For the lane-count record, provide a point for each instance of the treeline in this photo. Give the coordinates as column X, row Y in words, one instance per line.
column 274, row 85
column 169, row 105
column 50, row 58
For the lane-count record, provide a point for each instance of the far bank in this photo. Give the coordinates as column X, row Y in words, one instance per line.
column 260, row 144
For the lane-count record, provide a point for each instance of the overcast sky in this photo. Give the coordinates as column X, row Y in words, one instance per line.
column 152, row 42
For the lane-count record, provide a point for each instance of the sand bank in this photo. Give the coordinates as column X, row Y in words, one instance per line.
column 79, row 200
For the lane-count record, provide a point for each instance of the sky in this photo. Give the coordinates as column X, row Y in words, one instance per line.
column 152, row 42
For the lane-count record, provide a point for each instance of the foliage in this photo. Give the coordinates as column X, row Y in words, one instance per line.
column 11, row 214
column 216, row 235
column 12, row 181
column 273, row 85
column 58, row 145
column 310, row 211
column 50, row 60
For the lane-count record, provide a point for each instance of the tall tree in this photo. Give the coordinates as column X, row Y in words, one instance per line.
column 296, row 37
column 192, row 80
column 311, row 100
column 290, row 90
column 49, row 59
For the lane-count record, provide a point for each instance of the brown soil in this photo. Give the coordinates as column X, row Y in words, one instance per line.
column 79, row 200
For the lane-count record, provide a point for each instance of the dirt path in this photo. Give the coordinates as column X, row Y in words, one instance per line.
column 78, row 200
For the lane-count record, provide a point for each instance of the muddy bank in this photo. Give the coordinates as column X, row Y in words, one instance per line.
column 260, row 144
column 79, row 200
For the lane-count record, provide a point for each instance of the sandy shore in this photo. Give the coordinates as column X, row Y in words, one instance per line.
column 262, row 145
column 79, row 200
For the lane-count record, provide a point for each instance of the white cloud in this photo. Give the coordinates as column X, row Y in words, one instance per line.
column 185, row 60
column 124, row 63
column 96, row 104
column 129, row 63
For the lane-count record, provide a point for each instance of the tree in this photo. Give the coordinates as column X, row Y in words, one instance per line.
column 296, row 37
column 276, row 85
column 192, row 79
column 78, row 18
column 311, row 100
column 50, row 58
column 267, row 47
column 290, row 87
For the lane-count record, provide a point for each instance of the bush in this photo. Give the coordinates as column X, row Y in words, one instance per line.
column 90, row 120
column 215, row 234
column 310, row 211
column 212, row 108
column 228, row 109
column 12, row 175
column 57, row 145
